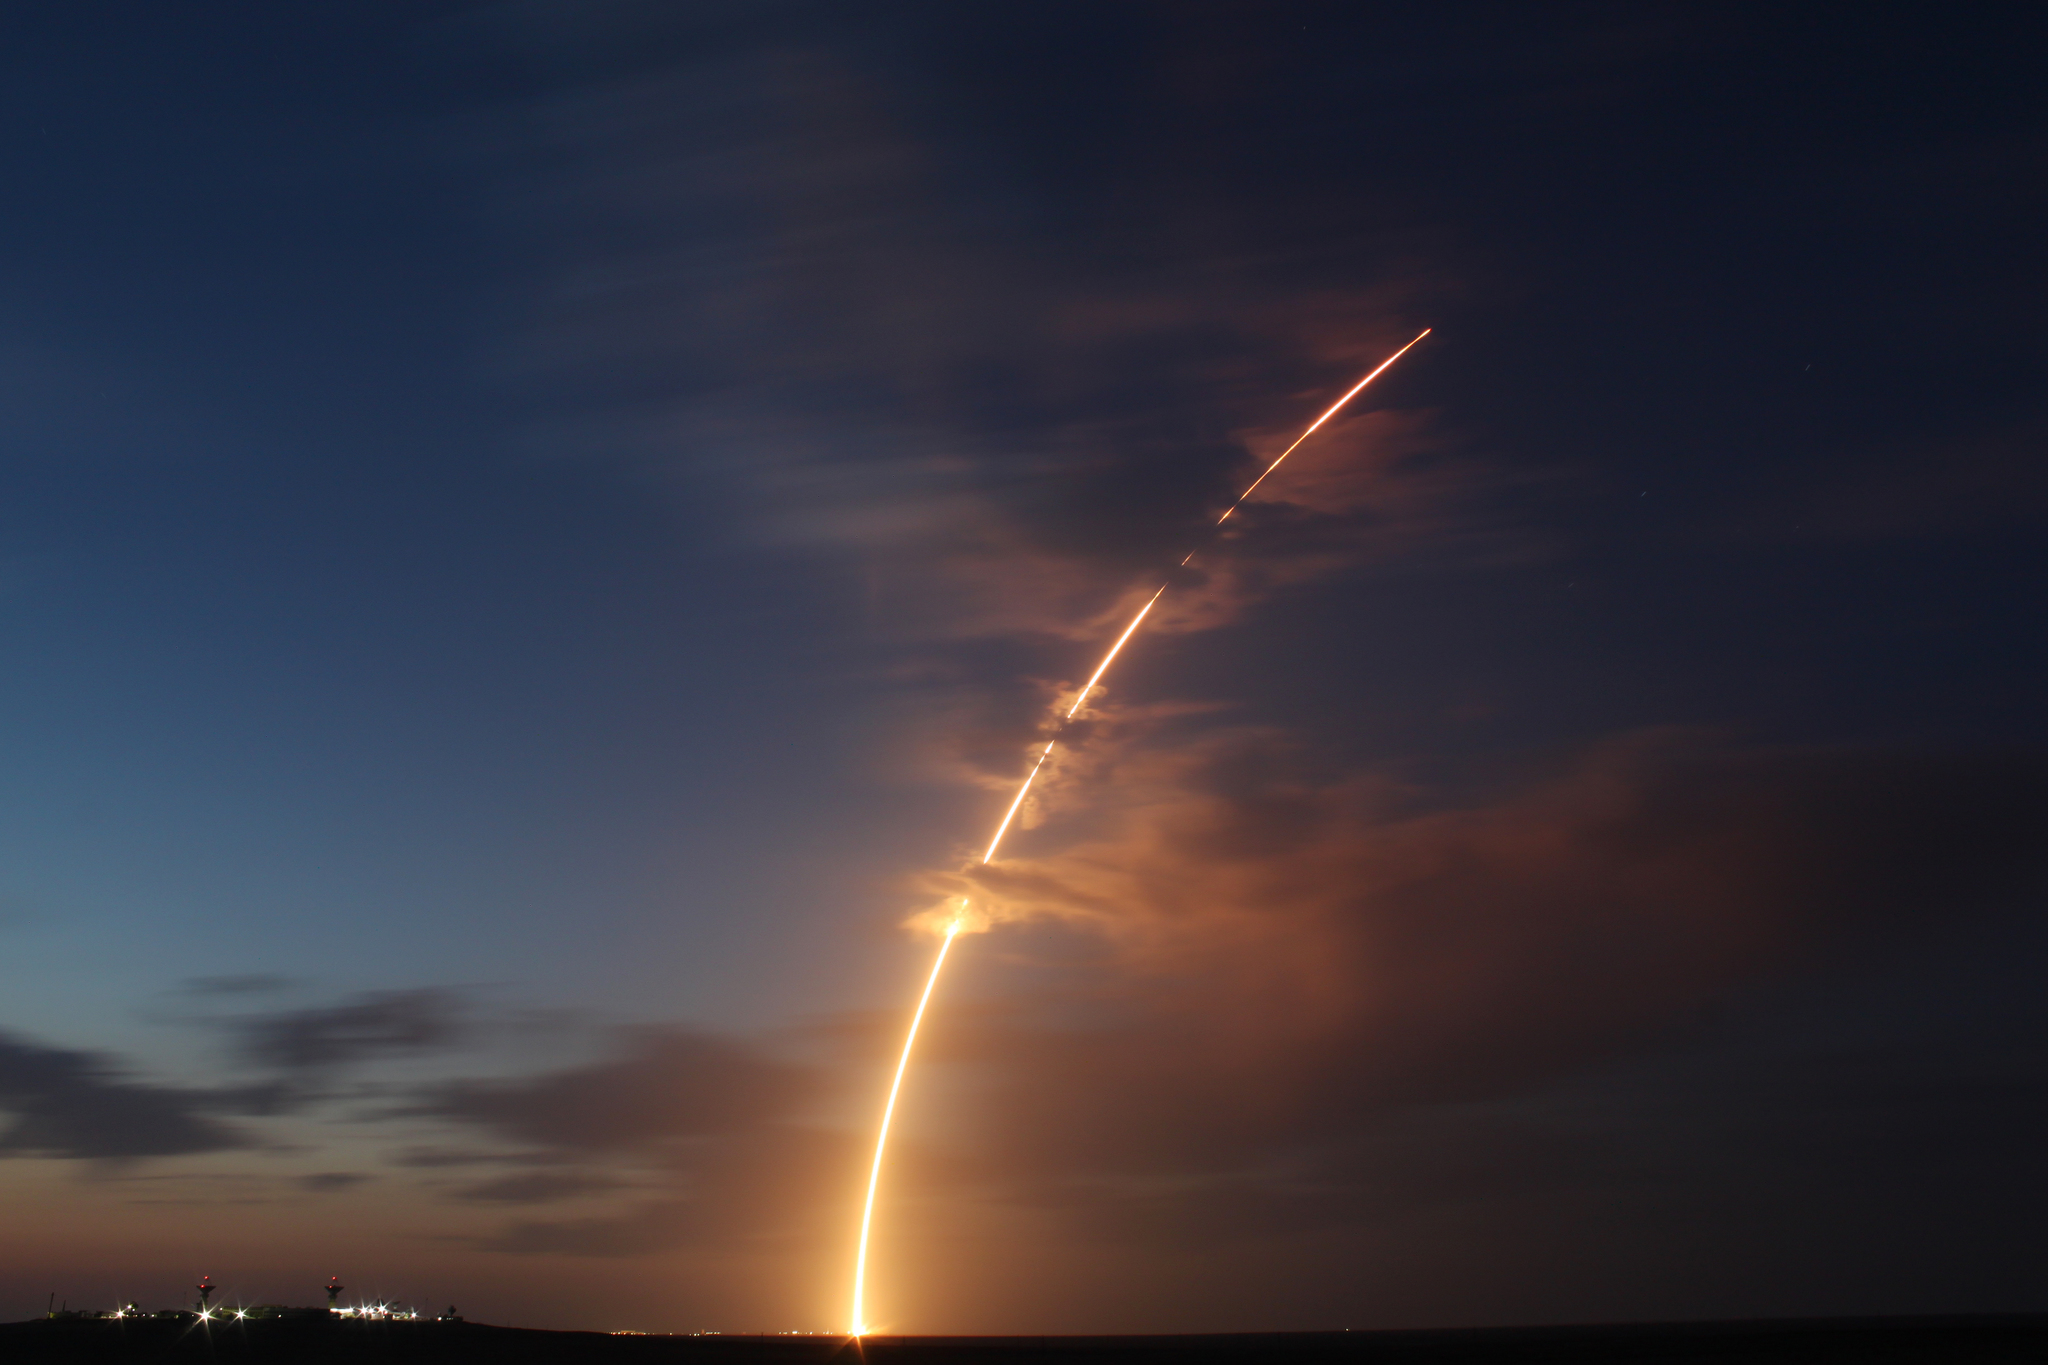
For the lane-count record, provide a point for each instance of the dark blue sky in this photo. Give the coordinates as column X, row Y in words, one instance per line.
column 532, row 536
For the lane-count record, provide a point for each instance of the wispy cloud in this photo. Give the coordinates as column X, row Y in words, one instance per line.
column 375, row 1024
column 81, row 1105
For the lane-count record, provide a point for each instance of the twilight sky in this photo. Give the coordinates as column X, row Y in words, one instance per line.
column 536, row 538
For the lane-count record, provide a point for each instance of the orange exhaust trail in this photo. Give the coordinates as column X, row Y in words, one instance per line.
column 867, row 1213
column 860, row 1265
column 1335, row 408
column 1114, row 650
column 1011, row 813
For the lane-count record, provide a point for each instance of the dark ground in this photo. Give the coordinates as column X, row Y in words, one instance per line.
column 2013, row 1338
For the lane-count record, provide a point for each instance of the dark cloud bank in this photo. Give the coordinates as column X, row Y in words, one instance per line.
column 76, row 1104
column 66, row 1103
column 377, row 1024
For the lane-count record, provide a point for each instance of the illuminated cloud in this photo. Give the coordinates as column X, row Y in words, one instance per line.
column 983, row 440
column 1274, row 1006
column 1307, row 945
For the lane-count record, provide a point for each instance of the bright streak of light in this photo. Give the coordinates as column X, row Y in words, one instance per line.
column 1011, row 813
column 1100, row 669
column 1110, row 657
column 867, row 1213
column 1335, row 408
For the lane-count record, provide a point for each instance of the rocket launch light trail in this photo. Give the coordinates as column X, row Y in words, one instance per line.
column 860, row 1265
column 1335, row 408
column 1110, row 657
column 1011, row 813
column 867, row 1213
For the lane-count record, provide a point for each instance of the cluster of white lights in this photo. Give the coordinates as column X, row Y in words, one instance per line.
column 380, row 1312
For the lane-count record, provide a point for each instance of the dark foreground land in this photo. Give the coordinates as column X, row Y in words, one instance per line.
column 1878, row 1341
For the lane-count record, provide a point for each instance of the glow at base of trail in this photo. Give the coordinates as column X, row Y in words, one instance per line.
column 867, row 1215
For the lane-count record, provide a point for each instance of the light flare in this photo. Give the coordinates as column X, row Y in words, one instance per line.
column 867, row 1215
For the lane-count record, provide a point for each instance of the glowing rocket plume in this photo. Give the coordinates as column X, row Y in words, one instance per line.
column 860, row 1267
column 867, row 1213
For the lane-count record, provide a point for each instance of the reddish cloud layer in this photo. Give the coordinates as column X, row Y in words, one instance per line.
column 1305, row 951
